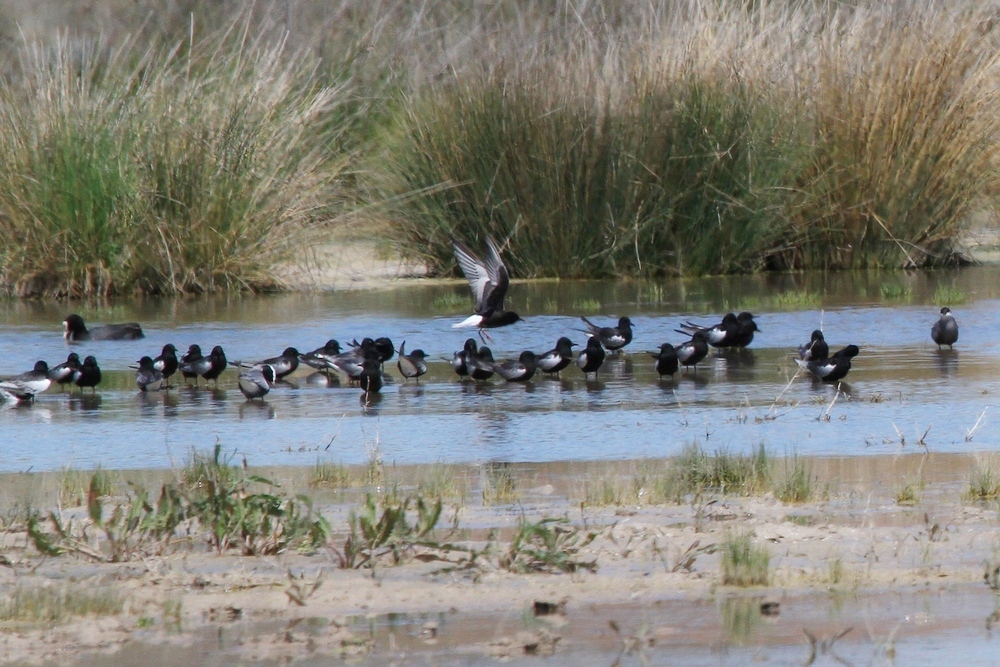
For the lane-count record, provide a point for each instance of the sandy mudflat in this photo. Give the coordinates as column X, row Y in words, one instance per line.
column 651, row 563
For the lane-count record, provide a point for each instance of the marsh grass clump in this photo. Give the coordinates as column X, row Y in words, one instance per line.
column 908, row 493
column 984, row 480
column 743, row 562
column 164, row 168
column 723, row 472
column 499, row 484
column 75, row 485
column 58, row 603
column 795, row 484
column 330, row 475
column 812, row 136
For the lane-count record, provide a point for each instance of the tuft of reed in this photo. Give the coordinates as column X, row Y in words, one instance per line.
column 984, row 480
column 743, row 562
column 813, row 136
column 57, row 604
column 698, row 471
column 165, row 167
column 795, row 484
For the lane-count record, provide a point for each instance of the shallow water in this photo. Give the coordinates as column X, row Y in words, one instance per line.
column 954, row 626
column 902, row 390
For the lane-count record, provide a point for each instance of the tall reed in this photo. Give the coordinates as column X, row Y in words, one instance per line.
column 180, row 168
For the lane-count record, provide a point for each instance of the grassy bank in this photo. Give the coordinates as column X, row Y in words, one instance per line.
column 169, row 149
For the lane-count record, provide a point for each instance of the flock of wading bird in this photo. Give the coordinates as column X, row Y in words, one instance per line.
column 363, row 363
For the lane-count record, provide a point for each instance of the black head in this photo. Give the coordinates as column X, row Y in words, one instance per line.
column 470, row 345
column 817, row 335
column 42, row 367
column 73, row 358
column 593, row 344
column 666, row 347
column 946, row 311
column 624, row 323
column 194, row 350
column 419, row 354
column 290, row 352
column 485, row 353
column 74, row 324
column 564, row 346
column 850, row 351
column 385, row 348
column 332, row 347
column 168, row 349
column 527, row 357
column 90, row 361
column 729, row 318
column 218, row 351
column 146, row 363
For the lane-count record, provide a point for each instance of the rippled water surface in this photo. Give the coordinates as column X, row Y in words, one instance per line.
column 903, row 393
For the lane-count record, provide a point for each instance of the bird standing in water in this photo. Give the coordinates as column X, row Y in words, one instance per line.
column 612, row 338
column 945, row 330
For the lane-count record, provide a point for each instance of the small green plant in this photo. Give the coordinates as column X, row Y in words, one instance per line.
column 894, row 292
column 550, row 545
column 76, row 485
column 256, row 522
column 835, row 571
column 380, row 530
column 743, row 562
column 442, row 481
column 909, row 492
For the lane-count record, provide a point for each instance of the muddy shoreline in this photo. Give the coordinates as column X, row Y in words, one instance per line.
column 657, row 568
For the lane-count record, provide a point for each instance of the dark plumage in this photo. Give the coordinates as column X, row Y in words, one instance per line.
column 557, row 358
column 257, row 380
column 321, row 356
column 833, row 368
column 63, row 373
column 23, row 387
column 282, row 365
column 167, row 362
column 370, row 377
column 945, row 329
column 148, row 377
column 590, row 358
column 666, row 360
column 460, row 359
column 521, row 370
column 816, row 348
column 187, row 363
column 489, row 281
column 411, row 365
column 612, row 338
column 209, row 367
column 481, row 364
column 693, row 351
column 733, row 331
column 76, row 330
column 88, row 374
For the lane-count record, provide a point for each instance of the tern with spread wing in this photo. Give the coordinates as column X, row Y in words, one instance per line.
column 489, row 281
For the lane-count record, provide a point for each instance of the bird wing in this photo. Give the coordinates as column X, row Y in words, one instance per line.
column 499, row 279
column 475, row 271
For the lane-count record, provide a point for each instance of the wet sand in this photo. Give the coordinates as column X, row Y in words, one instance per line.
column 898, row 575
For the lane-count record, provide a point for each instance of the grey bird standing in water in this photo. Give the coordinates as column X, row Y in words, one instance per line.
column 945, row 330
